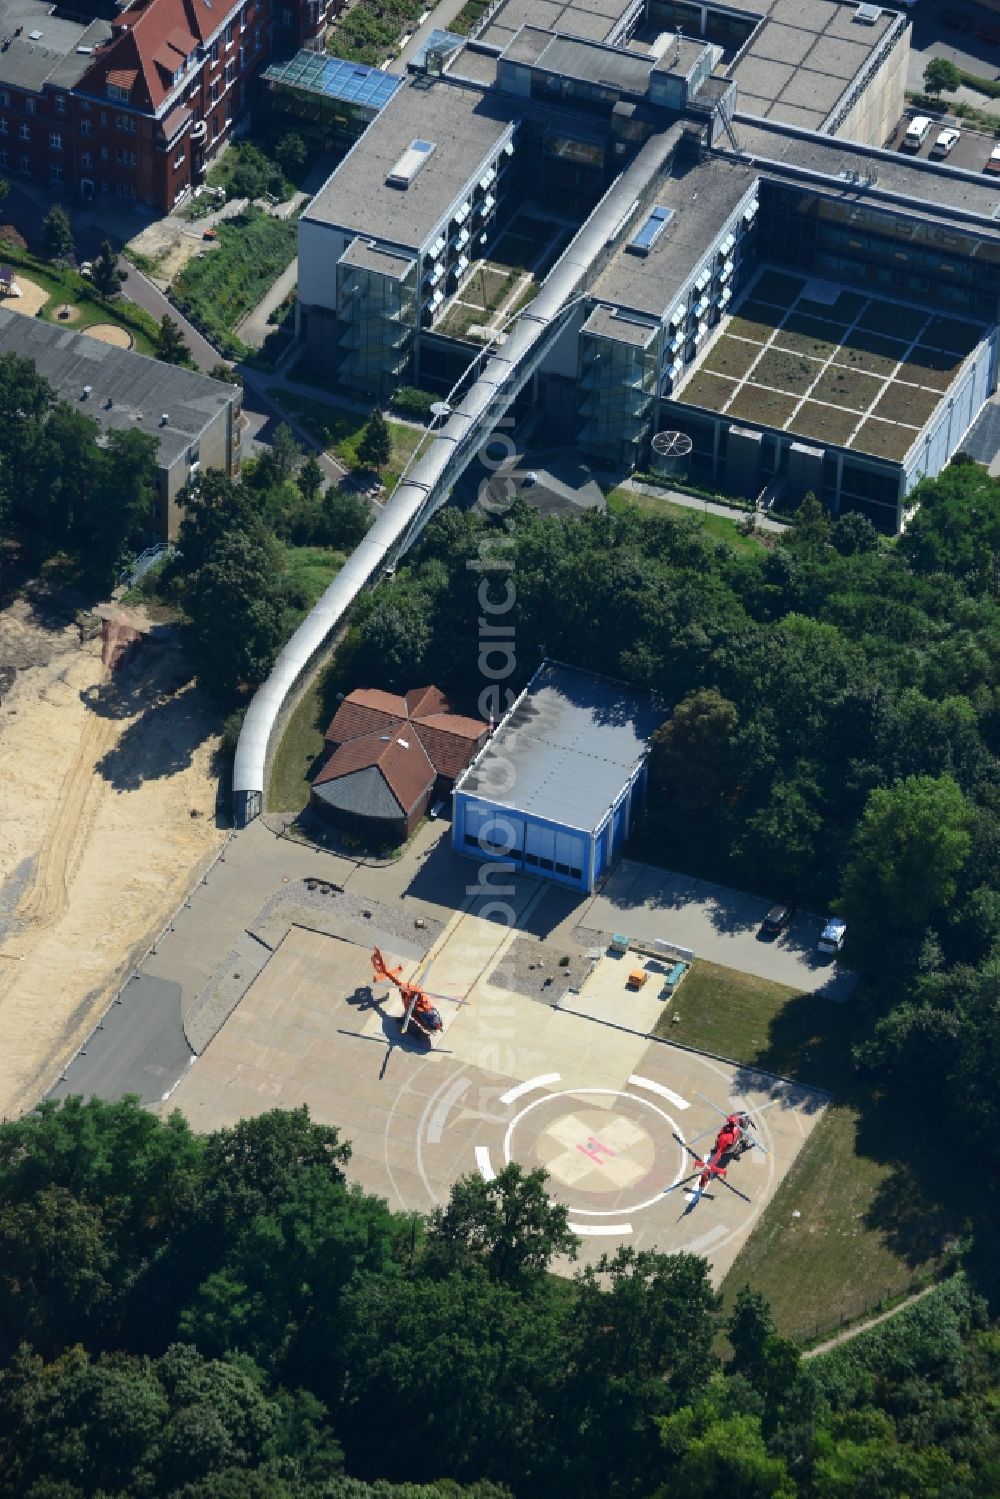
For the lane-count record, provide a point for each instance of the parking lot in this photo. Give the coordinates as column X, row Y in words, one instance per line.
column 971, row 152
column 717, row 923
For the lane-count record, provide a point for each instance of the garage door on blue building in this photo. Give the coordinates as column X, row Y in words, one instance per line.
column 538, row 847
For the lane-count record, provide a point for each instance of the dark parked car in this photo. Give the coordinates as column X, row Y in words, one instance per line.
column 775, row 921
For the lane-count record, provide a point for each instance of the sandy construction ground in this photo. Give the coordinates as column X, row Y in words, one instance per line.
column 107, row 813
column 31, row 299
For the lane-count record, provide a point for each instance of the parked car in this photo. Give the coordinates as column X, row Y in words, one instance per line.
column 775, row 921
column 917, row 132
column 831, row 939
column 993, row 165
column 946, row 142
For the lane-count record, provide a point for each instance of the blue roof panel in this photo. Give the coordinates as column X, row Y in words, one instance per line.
column 335, row 78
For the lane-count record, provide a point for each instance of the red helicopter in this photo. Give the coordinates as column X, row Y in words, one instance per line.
column 417, row 1008
column 735, row 1137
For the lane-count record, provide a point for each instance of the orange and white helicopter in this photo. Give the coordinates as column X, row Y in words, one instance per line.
column 420, row 1016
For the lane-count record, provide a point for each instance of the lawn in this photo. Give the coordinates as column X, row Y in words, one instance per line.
column 300, row 753
column 719, row 527
column 930, row 367
column 828, row 1264
column 805, row 335
column 787, row 371
column 731, row 356
column 339, row 430
column 710, row 391
column 823, row 423
column 885, row 439
column 219, row 289
column 308, row 571
column 67, row 286
column 892, row 319
column 906, row 403
column 371, row 32
column 843, row 387
column 771, row 408
column 871, row 352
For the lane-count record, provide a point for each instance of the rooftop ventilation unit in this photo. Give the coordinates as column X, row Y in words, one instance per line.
column 867, row 15
column 656, row 221
column 164, row 418
column 86, row 392
column 403, row 743
column 410, row 163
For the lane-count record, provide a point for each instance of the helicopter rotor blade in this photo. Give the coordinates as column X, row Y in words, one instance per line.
column 712, row 1105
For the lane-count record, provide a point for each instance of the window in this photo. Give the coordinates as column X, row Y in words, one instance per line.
column 230, row 73
column 256, row 37
column 229, row 111
column 4, row 98
column 3, row 124
column 86, row 160
column 60, row 104
column 214, row 53
column 85, row 105
column 230, row 31
column 104, row 117
column 4, row 159
column 30, row 106
column 25, row 166
column 243, row 56
column 104, row 153
column 56, row 172
column 179, row 160
column 286, row 18
column 213, row 92
column 115, row 91
column 118, row 122
column 86, row 127
column 55, row 140
column 25, row 132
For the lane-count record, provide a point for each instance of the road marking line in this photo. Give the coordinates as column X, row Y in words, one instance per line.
column 541, row 1081
column 667, row 1093
column 483, row 1162
column 618, row 1229
column 436, row 1126
column 697, row 1245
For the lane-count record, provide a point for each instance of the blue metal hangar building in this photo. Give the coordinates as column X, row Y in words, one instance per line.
column 555, row 789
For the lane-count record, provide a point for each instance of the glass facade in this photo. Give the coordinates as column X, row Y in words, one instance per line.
column 617, row 388
column 376, row 326
column 874, row 247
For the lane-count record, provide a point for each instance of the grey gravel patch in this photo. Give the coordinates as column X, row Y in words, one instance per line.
column 224, row 990
column 11, row 891
column 532, row 968
column 336, row 914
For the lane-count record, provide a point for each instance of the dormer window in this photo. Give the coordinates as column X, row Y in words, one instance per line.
column 115, row 91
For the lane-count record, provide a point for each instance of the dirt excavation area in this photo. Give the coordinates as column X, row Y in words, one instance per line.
column 107, row 815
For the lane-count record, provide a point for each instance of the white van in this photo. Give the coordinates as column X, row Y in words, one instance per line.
column 832, row 937
column 917, row 132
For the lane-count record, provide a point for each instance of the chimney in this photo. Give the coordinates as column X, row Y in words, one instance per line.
column 86, row 392
column 164, row 418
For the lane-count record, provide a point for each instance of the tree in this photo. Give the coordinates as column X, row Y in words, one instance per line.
column 170, row 345
column 105, row 272
column 310, row 477
column 283, row 456
column 57, row 234
column 812, row 525
column 509, row 1224
column 346, row 516
column 254, row 176
column 695, row 755
column 234, row 603
column 375, row 447
column 941, row 76
column 908, row 851
column 123, row 500
column 957, row 527
column 853, row 533
column 225, row 373
column 291, row 154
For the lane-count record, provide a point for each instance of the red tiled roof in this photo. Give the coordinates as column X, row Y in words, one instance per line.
column 354, row 720
column 148, row 44
column 450, row 739
column 449, row 752
column 402, row 761
column 423, row 700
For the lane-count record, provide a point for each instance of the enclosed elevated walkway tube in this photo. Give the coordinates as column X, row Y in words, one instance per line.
column 439, row 462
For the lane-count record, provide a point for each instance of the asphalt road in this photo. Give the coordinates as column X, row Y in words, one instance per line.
column 934, row 36
column 139, row 1047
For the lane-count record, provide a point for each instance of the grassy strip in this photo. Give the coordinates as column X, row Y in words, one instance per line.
column 219, row 289
column 300, row 753
column 68, row 286
column 371, row 32
column 830, row 1264
column 988, row 86
column 469, row 17
column 340, row 431
column 719, row 527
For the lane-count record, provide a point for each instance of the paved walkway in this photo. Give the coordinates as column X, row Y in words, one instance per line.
column 859, row 1327
column 439, row 19
column 694, row 502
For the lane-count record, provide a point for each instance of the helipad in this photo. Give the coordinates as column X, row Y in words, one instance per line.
column 606, row 1111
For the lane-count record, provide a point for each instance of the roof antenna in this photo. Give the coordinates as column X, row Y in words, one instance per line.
column 677, row 47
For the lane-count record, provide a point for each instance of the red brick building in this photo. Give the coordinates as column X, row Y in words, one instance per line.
column 389, row 756
column 133, row 107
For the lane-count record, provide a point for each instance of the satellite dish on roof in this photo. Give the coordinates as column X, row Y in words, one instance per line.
column 440, row 409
